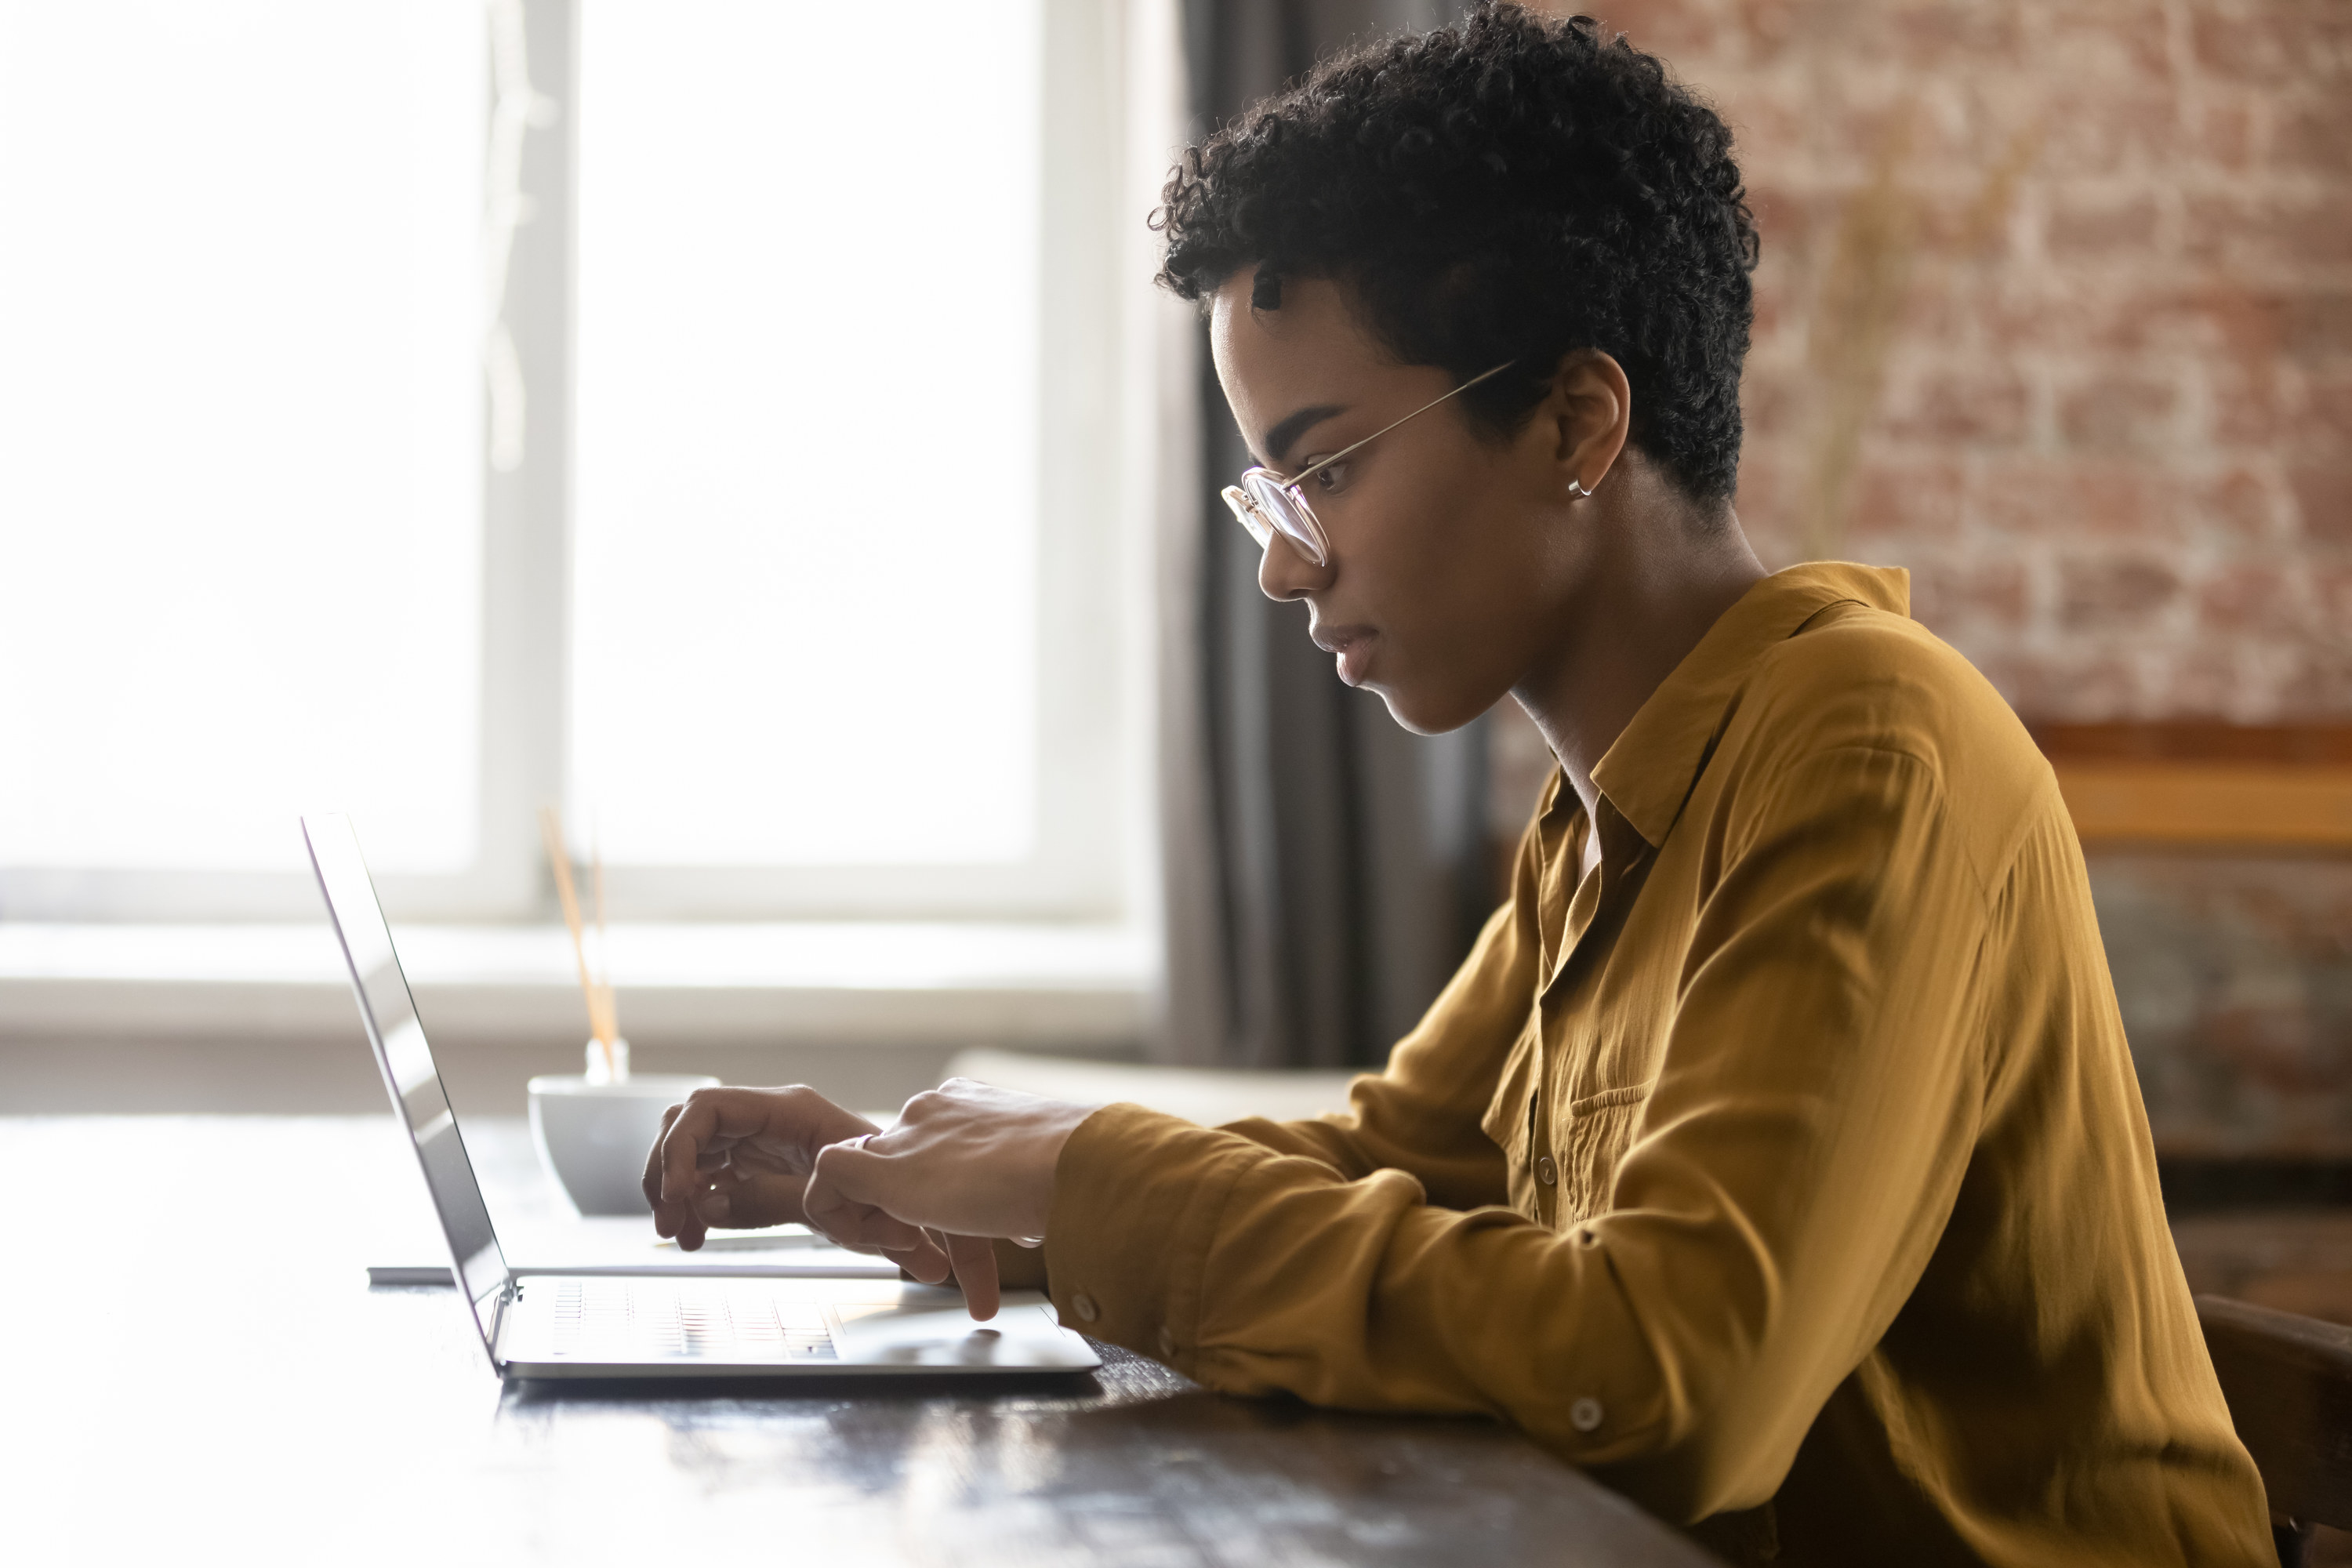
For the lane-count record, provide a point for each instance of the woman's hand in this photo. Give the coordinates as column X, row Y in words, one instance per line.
column 965, row 1161
column 741, row 1158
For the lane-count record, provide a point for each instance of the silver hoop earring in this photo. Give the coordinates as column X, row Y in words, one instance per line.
column 1576, row 490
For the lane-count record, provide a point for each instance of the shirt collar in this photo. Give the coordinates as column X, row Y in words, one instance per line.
column 1649, row 771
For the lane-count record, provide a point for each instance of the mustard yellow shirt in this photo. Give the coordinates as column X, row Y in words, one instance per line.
column 1788, row 1172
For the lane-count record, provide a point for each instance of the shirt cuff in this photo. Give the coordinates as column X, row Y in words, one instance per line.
column 1137, row 1198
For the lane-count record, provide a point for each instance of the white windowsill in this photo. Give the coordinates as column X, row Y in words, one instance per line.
column 883, row 983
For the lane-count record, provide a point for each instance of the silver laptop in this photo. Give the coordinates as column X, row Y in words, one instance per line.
column 678, row 1323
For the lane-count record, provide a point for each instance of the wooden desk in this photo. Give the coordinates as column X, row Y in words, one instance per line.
column 198, row 1370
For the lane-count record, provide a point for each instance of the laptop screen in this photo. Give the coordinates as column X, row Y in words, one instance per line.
column 390, row 1014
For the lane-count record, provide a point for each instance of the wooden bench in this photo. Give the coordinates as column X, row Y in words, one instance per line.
column 2206, row 786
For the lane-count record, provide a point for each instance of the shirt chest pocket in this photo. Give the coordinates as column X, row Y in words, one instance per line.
column 1599, row 1129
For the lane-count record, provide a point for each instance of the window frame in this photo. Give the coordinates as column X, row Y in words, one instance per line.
column 1089, row 861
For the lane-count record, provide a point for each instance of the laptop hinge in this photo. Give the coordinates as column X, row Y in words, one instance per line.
column 509, row 1292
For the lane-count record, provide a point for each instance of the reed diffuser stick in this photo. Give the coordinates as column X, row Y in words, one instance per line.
column 551, row 829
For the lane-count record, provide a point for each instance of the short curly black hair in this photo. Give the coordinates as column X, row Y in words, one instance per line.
column 1512, row 188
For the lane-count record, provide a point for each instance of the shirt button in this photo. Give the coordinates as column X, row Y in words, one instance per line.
column 1085, row 1305
column 1585, row 1414
column 1166, row 1341
column 1546, row 1173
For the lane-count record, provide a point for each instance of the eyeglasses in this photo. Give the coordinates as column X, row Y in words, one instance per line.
column 1268, row 504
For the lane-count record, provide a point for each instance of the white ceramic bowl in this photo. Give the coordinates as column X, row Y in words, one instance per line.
column 594, row 1137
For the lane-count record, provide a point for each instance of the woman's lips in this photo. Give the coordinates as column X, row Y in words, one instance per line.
column 1353, row 645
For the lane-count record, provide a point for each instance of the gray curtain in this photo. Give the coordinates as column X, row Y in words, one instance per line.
column 1326, row 870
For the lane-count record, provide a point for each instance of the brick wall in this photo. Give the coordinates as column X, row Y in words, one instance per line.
column 2055, row 310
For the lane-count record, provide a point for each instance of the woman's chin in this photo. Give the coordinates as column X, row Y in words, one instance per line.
column 1428, row 712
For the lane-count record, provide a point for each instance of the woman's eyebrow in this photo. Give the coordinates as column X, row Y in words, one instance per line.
column 1285, row 435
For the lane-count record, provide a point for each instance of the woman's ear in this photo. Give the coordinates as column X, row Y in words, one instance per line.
column 1589, row 411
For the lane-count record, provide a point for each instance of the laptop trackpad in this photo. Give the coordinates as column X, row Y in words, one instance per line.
column 1019, row 1335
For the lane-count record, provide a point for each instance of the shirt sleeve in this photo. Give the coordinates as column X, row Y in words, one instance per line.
column 1421, row 1115
column 1800, row 1149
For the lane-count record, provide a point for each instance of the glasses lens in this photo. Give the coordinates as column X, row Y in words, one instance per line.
column 1245, row 510
column 1287, row 512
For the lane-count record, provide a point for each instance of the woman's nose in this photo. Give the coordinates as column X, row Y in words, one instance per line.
column 1286, row 573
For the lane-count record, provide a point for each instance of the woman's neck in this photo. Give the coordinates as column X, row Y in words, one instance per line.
column 1642, row 610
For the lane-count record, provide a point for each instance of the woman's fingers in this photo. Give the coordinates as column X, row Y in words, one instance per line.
column 849, row 1198
column 926, row 1263
column 844, row 1201
column 839, row 1203
column 720, row 1130
column 652, row 1177
column 975, row 1271
column 746, row 1199
column 687, row 1128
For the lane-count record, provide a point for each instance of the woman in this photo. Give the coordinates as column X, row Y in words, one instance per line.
column 1777, row 1152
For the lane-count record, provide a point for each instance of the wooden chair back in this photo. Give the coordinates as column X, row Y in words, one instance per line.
column 2288, row 1380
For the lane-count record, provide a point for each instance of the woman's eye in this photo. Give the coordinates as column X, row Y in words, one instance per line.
column 1329, row 479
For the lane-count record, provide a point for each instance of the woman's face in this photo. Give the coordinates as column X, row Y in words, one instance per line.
column 1453, row 556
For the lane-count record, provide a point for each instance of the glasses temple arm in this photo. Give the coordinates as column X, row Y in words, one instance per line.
column 1304, row 474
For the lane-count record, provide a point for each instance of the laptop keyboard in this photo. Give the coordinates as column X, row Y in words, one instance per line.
column 627, row 1319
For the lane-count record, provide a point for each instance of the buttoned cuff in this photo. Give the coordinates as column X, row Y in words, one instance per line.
column 1136, row 1198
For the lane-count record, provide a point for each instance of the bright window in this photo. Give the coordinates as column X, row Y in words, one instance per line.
column 808, row 434
column 431, row 409
column 240, row 448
